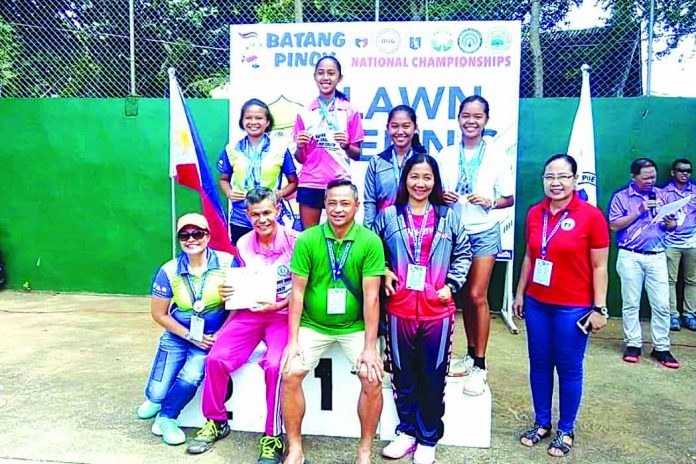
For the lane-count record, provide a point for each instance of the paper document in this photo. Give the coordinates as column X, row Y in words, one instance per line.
column 671, row 208
column 251, row 285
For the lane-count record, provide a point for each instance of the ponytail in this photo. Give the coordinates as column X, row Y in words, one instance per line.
column 416, row 146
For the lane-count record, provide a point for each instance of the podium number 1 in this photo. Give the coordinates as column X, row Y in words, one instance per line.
column 323, row 372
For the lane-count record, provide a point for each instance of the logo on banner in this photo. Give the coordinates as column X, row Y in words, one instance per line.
column 388, row 40
column 441, row 41
column 498, row 40
column 415, row 43
column 361, row 42
column 252, row 44
column 470, row 41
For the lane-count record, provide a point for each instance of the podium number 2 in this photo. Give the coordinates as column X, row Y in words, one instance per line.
column 323, row 373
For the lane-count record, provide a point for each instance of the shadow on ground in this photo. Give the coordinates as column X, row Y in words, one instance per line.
column 73, row 367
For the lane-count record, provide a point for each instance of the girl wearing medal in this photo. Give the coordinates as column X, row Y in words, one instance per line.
column 328, row 135
column 428, row 254
column 186, row 303
column 478, row 176
column 257, row 160
column 384, row 170
column 562, row 294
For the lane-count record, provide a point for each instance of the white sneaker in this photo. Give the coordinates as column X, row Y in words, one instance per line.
column 424, row 455
column 461, row 366
column 402, row 445
column 475, row 383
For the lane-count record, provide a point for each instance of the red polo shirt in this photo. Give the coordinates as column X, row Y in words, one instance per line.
column 584, row 228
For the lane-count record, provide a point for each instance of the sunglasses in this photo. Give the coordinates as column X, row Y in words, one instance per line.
column 684, row 171
column 196, row 234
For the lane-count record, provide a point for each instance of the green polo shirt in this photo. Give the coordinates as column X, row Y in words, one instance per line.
column 310, row 259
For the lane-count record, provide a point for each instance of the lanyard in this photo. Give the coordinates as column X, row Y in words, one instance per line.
column 469, row 171
column 544, row 239
column 254, row 156
column 328, row 113
column 196, row 296
column 337, row 267
column 417, row 235
column 395, row 163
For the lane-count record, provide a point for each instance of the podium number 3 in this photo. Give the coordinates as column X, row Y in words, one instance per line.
column 323, row 373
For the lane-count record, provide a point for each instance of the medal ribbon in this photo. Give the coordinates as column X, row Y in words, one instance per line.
column 468, row 171
column 417, row 235
column 544, row 239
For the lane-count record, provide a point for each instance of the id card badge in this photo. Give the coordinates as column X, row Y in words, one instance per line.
column 197, row 326
column 415, row 278
column 336, row 301
column 542, row 272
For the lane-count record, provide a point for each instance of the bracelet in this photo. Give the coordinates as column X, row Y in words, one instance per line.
column 494, row 204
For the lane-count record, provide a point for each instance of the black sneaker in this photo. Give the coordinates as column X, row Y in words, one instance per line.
column 271, row 450
column 665, row 358
column 631, row 354
column 206, row 437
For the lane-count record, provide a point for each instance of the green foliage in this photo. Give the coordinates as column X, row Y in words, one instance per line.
column 276, row 11
column 9, row 51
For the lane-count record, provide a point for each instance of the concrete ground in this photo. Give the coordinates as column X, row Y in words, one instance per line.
column 73, row 367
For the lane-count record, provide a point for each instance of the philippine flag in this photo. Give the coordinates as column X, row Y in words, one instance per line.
column 188, row 165
column 582, row 143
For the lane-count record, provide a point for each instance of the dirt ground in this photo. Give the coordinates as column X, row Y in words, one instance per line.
column 73, row 367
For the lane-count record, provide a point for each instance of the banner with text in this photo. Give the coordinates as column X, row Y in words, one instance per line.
column 430, row 66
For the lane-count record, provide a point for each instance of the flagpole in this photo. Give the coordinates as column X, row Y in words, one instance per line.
column 171, row 179
column 171, row 73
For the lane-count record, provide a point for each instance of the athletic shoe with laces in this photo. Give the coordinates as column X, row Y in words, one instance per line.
column 674, row 324
column 424, row 455
column 401, row 446
column 461, row 366
column 475, row 383
column 689, row 322
column 169, row 430
column 665, row 358
column 206, row 437
column 148, row 409
column 271, row 450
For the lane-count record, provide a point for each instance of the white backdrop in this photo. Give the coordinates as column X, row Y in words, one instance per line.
column 430, row 66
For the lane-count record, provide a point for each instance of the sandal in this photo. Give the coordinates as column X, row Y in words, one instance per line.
column 534, row 435
column 559, row 443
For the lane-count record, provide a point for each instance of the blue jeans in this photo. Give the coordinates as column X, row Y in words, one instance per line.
column 176, row 373
column 555, row 341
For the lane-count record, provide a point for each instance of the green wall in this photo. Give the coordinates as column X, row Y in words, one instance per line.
column 85, row 188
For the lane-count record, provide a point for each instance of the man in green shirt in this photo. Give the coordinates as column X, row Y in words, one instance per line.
column 336, row 273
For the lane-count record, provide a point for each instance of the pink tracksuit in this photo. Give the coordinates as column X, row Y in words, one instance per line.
column 244, row 329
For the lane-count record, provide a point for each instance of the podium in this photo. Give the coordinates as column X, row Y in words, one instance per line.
column 331, row 398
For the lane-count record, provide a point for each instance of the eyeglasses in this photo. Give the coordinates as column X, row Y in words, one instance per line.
column 684, row 171
column 561, row 178
column 196, row 234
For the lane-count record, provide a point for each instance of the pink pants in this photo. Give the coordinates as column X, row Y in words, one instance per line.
column 235, row 343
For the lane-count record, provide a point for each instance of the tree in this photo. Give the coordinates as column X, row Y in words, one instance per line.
column 9, row 50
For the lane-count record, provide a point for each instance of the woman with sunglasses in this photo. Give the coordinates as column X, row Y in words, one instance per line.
column 187, row 304
column 428, row 251
column 562, row 294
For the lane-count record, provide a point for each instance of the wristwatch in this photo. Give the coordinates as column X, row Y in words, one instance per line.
column 601, row 310
column 451, row 287
column 494, row 204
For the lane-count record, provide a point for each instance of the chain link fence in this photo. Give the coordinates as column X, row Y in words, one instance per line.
column 115, row 48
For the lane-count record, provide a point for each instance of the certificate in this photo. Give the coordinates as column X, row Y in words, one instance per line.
column 251, row 285
column 671, row 208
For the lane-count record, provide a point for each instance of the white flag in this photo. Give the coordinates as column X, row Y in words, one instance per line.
column 582, row 146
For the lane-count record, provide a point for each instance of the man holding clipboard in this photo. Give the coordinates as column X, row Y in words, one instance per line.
column 336, row 274
column 267, row 248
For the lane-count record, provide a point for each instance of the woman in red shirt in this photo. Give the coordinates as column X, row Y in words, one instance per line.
column 562, row 286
